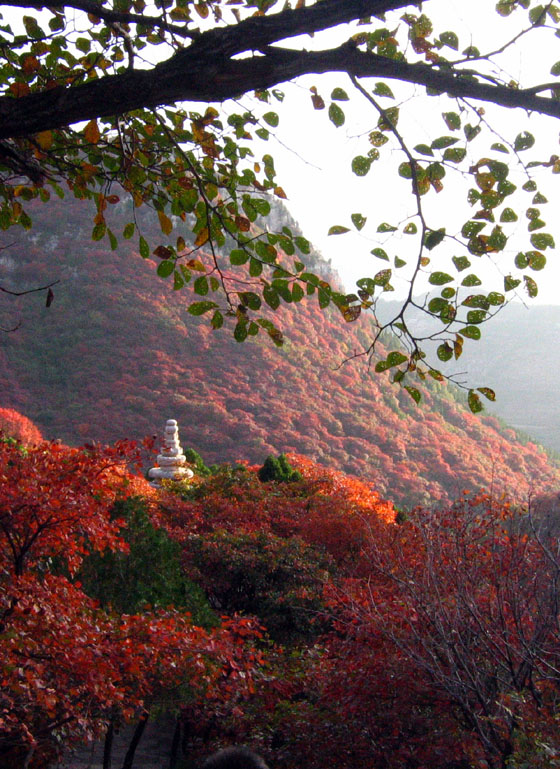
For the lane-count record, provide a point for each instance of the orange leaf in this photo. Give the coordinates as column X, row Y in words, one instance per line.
column 91, row 132
column 202, row 237
column 279, row 192
column 242, row 223
column 165, row 223
column 45, row 139
column 19, row 89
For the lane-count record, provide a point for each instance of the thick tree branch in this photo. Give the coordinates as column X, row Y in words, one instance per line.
column 200, row 75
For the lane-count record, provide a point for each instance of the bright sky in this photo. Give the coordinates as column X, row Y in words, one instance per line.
column 314, row 159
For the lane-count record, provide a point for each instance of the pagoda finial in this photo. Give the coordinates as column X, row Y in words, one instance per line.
column 171, row 461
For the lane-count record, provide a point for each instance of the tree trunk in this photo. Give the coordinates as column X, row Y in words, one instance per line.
column 136, row 737
column 108, row 745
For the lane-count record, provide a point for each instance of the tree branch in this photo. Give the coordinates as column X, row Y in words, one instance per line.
column 95, row 8
column 201, row 74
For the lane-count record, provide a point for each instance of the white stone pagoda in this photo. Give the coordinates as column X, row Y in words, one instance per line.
column 171, row 461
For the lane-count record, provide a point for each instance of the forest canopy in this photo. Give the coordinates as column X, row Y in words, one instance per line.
column 171, row 105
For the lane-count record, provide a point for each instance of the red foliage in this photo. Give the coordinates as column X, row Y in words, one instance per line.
column 447, row 653
column 66, row 666
column 15, row 425
column 327, row 509
column 236, row 400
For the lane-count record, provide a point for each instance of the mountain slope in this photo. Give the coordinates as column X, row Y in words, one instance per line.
column 518, row 358
column 117, row 353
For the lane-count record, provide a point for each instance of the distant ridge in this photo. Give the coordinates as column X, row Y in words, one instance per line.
column 117, row 353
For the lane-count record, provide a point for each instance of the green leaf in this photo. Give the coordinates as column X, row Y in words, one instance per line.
column 240, row 331
column 461, row 263
column 378, row 139
column 414, row 393
column 178, row 282
column 537, row 261
column 99, row 231
column 200, row 285
column 395, row 358
column 505, row 7
column 217, row 320
column 271, row 118
column 471, row 132
column 303, row 244
column 237, row 256
column 471, row 280
column 443, row 142
column 510, row 283
column 199, row 308
column 487, row 392
column 358, row 221
column 499, row 147
column 521, row 261
column 297, row 292
column 444, row 352
column 537, row 15
column 439, row 278
column 508, row 215
column 250, row 299
column 476, row 316
column 270, row 296
column 385, row 227
column 361, row 165
column 523, row 141
column 339, row 94
column 471, row 228
column 452, row 120
column 542, row 240
column 450, row 39
column 128, row 231
column 114, row 243
column 530, row 286
column 410, row 229
column 405, row 170
column 471, row 51
column 338, row 229
column 255, row 268
column 474, row 402
column 424, row 149
column 389, row 119
column 382, row 89
column 497, row 240
column 495, row 298
column 437, row 304
column 323, row 297
column 382, row 277
column 165, row 268
column 144, row 248
column 434, row 238
column 336, row 115
column 380, row 253
column 471, row 332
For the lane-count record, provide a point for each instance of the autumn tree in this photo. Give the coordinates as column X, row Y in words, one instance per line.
column 70, row 667
column 105, row 99
column 463, row 605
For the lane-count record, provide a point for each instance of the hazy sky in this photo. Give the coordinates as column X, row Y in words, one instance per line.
column 314, row 158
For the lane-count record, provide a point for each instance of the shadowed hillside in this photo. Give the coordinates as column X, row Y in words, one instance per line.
column 117, row 353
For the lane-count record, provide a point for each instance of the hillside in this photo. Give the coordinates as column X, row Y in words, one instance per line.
column 117, row 353
column 518, row 358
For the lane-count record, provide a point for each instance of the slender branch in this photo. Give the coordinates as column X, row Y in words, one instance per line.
column 29, row 290
column 96, row 9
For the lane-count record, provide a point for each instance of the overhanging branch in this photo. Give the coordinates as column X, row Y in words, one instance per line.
column 199, row 75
